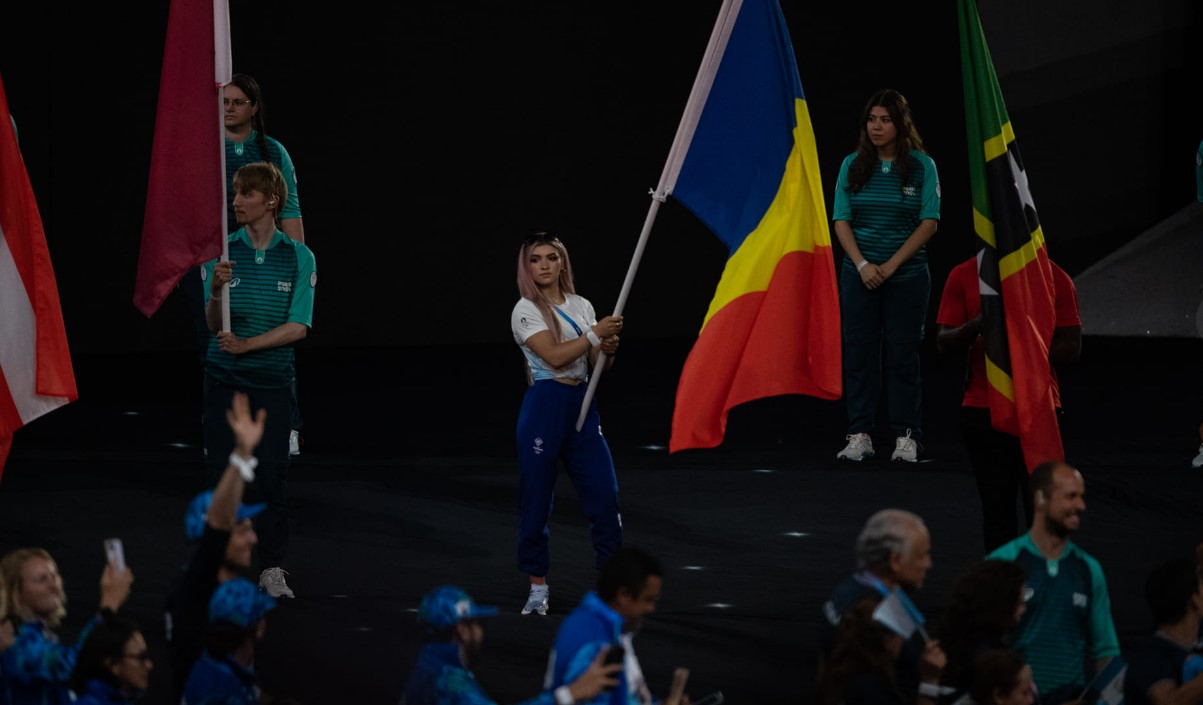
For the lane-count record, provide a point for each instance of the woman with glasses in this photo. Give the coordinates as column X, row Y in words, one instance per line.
column 887, row 206
column 37, row 666
column 561, row 340
column 247, row 142
column 114, row 665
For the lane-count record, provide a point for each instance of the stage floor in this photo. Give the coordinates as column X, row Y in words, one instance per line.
column 409, row 480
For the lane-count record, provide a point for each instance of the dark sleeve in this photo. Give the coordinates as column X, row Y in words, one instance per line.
column 1144, row 672
column 871, row 689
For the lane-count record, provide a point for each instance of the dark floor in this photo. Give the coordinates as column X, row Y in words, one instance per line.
column 407, row 479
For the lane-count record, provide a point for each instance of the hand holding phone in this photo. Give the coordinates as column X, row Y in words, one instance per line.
column 114, row 553
column 615, row 655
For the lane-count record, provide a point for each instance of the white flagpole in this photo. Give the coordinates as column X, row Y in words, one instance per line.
column 223, row 63
column 672, row 166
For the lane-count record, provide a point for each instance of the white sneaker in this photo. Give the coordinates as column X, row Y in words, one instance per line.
column 294, row 442
column 1198, row 461
column 272, row 580
column 859, row 447
column 537, row 601
column 906, row 448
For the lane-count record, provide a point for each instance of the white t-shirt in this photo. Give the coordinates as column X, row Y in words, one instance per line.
column 526, row 320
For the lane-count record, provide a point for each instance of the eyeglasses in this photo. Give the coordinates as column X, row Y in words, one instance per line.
column 143, row 656
column 236, row 102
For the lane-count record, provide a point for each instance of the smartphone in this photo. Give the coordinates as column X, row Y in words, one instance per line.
column 715, row 698
column 114, row 552
column 615, row 654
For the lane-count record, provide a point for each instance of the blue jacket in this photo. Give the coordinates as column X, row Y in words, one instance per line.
column 225, row 682
column 584, row 632
column 101, row 693
column 440, row 678
column 35, row 669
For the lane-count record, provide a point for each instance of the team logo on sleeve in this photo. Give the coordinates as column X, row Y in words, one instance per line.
column 313, row 279
column 204, row 274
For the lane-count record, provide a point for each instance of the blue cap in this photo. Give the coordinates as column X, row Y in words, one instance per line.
column 240, row 602
column 444, row 606
column 194, row 520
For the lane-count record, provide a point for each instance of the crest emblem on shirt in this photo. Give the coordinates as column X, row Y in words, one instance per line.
column 313, row 280
column 538, row 447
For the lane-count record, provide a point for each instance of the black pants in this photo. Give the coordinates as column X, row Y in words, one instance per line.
column 271, row 476
column 1001, row 475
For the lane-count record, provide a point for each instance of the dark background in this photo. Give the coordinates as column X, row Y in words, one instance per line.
column 430, row 138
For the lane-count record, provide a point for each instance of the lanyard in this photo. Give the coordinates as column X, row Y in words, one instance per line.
column 571, row 322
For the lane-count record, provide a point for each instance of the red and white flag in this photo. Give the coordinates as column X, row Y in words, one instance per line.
column 185, row 219
column 35, row 363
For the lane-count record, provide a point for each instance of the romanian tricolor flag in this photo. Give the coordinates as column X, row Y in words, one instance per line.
column 751, row 174
column 1015, row 278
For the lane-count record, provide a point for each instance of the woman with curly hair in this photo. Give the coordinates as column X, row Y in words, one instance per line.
column 984, row 607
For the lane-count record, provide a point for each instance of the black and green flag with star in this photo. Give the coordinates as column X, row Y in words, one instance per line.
column 1014, row 274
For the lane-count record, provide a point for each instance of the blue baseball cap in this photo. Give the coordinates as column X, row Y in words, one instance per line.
column 445, row 605
column 240, row 602
column 194, row 520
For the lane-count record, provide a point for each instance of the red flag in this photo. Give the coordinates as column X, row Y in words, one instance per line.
column 35, row 363
column 185, row 201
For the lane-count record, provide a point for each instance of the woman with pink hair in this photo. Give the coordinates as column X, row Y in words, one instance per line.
column 561, row 339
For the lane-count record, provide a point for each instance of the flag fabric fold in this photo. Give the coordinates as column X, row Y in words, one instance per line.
column 1015, row 276
column 184, row 223
column 36, row 375
column 751, row 175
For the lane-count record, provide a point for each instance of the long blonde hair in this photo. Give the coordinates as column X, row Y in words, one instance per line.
column 12, row 567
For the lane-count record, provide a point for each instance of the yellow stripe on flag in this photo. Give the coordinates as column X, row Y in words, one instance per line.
column 1025, row 255
column 984, row 228
column 795, row 221
column 1000, row 380
column 996, row 146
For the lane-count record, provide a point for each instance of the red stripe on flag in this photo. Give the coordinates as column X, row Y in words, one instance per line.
column 185, row 213
column 32, row 333
column 785, row 340
column 1029, row 303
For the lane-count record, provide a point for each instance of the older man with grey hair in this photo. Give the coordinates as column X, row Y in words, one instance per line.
column 892, row 550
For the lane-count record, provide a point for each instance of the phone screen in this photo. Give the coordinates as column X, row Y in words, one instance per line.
column 615, row 654
column 114, row 553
